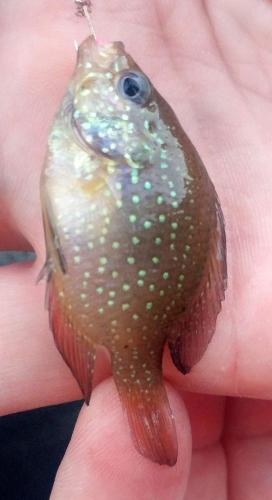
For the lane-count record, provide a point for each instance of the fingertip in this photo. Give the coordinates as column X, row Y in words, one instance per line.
column 101, row 459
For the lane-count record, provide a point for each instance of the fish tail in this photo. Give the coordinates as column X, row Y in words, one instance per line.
column 150, row 419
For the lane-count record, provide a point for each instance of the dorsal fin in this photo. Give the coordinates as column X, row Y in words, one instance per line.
column 75, row 348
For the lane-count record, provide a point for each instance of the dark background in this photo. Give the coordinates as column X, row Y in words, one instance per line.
column 32, row 443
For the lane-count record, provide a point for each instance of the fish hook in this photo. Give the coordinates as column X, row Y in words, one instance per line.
column 84, row 9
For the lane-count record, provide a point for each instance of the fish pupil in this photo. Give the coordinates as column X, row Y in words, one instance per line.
column 134, row 87
column 131, row 87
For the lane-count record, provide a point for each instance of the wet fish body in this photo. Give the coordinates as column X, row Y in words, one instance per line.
column 134, row 236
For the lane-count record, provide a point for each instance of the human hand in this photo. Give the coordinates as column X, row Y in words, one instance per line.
column 211, row 60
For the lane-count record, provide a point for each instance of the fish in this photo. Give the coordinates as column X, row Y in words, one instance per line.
column 135, row 239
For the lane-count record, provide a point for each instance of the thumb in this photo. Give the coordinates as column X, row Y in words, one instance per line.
column 101, row 461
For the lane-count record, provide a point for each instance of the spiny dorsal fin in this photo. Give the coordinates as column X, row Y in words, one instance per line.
column 77, row 351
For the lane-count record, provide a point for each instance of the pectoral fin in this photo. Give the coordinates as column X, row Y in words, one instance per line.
column 53, row 245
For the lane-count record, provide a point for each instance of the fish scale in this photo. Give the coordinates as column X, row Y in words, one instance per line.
column 135, row 240
column 138, row 258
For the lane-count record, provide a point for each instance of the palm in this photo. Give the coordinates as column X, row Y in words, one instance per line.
column 210, row 59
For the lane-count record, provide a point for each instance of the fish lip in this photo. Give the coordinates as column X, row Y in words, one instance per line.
column 115, row 44
column 99, row 43
column 90, row 48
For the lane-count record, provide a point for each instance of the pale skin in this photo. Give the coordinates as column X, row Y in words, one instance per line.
column 212, row 62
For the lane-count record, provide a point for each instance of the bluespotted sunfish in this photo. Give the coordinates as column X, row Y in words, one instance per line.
column 134, row 236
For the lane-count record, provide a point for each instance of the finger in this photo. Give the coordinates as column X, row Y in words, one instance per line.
column 32, row 372
column 208, row 478
column 208, row 473
column 248, row 443
column 101, row 461
column 30, row 366
column 207, row 415
column 237, row 360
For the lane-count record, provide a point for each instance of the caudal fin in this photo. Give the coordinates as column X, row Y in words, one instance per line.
column 151, row 422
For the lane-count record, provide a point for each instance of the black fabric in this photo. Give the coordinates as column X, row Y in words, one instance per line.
column 32, row 445
column 11, row 257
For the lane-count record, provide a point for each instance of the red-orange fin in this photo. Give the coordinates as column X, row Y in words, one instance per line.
column 77, row 352
column 192, row 332
column 151, row 422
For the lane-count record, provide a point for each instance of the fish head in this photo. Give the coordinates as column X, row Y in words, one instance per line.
column 114, row 104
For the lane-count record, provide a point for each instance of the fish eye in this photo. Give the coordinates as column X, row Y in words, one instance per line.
column 135, row 87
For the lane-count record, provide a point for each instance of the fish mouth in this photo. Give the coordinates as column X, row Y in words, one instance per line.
column 100, row 52
column 91, row 41
column 117, row 45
